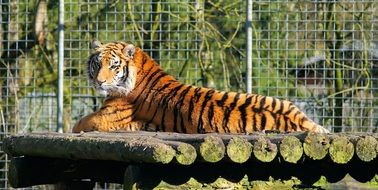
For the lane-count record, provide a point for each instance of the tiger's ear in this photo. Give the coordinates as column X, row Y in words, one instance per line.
column 129, row 51
column 96, row 44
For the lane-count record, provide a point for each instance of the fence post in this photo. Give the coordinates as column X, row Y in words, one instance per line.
column 60, row 67
column 249, row 46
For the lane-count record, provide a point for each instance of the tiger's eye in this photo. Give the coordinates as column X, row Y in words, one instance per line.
column 114, row 67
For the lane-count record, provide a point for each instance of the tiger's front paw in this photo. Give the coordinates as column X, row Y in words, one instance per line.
column 85, row 124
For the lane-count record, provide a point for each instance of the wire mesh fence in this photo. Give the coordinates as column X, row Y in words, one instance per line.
column 322, row 55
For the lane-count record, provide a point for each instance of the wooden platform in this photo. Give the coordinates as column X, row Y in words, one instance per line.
column 145, row 159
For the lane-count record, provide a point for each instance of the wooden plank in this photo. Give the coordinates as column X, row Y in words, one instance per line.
column 132, row 149
column 151, row 147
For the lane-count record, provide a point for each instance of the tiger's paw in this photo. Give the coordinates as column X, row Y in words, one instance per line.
column 85, row 125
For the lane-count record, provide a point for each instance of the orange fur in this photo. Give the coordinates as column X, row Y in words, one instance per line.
column 140, row 95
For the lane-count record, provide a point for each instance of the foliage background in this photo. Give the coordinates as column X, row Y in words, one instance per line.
column 322, row 55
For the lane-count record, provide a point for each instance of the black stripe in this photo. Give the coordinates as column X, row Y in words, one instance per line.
column 210, row 115
column 262, row 103
column 177, row 109
column 253, row 107
column 146, row 95
column 183, row 128
column 223, row 100
column 243, row 112
column 162, row 99
column 156, row 92
column 208, row 96
column 197, row 94
column 278, row 123
column 296, row 114
column 302, row 121
column 263, row 121
column 274, row 101
column 165, row 103
column 227, row 113
column 291, row 108
column 286, row 124
column 194, row 99
column 255, row 111
column 254, row 124
column 279, row 112
column 239, row 126
column 294, row 126
column 148, row 74
column 150, row 87
column 125, row 70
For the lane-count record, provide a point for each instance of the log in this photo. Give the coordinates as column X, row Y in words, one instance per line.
column 341, row 150
column 185, row 153
column 366, row 148
column 291, row 149
column 142, row 149
column 316, row 145
column 212, row 149
column 239, row 150
column 152, row 147
column 264, row 150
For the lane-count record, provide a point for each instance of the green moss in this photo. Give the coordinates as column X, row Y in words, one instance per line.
column 212, row 149
column 186, row 154
column 191, row 184
column 341, row 150
column 374, row 182
column 366, row 148
column 275, row 184
column 163, row 154
column 316, row 145
column 264, row 150
column 322, row 183
column 239, row 150
column 219, row 183
column 291, row 149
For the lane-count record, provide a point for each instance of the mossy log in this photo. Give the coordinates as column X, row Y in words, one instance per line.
column 142, row 149
column 264, row 150
column 150, row 147
column 239, row 150
column 366, row 148
column 212, row 149
column 341, row 150
column 95, row 156
column 316, row 145
column 185, row 153
column 291, row 149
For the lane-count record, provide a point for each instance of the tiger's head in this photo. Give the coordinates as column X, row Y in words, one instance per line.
column 111, row 68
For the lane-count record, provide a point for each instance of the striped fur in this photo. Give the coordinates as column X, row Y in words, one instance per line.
column 141, row 96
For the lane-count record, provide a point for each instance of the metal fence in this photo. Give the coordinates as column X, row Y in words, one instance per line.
column 322, row 55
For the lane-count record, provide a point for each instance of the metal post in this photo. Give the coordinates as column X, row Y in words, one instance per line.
column 60, row 67
column 249, row 46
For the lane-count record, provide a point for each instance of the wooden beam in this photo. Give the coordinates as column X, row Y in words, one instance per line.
column 134, row 149
column 186, row 149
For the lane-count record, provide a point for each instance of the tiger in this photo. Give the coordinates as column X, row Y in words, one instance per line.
column 141, row 96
